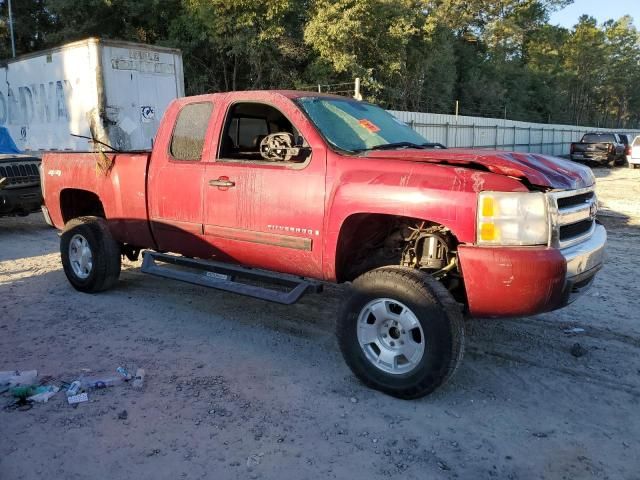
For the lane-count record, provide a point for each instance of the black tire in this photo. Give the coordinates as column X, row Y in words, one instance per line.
column 438, row 314
column 105, row 253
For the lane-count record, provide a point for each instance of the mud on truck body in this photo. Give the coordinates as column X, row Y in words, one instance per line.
column 298, row 188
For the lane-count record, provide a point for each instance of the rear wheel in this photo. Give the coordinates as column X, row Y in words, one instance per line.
column 90, row 255
column 401, row 332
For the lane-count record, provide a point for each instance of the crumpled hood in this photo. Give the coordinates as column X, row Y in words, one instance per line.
column 537, row 169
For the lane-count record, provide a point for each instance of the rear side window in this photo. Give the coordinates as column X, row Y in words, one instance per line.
column 189, row 132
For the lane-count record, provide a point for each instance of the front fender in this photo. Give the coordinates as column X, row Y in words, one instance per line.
column 436, row 193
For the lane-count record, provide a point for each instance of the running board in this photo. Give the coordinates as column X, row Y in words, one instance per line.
column 228, row 277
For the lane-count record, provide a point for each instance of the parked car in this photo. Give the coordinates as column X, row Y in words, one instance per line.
column 601, row 147
column 295, row 188
column 633, row 159
column 626, row 140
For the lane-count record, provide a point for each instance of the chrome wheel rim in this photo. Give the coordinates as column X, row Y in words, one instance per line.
column 390, row 336
column 80, row 256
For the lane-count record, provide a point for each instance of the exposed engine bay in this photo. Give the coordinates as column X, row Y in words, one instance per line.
column 430, row 248
column 406, row 242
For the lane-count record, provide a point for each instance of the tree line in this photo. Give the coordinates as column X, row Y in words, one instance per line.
column 497, row 58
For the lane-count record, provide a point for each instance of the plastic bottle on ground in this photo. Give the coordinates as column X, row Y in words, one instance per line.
column 138, row 379
column 124, row 373
column 74, row 388
column 16, row 377
column 97, row 383
column 44, row 396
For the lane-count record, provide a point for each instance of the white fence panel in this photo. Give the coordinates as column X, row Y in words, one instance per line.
column 478, row 132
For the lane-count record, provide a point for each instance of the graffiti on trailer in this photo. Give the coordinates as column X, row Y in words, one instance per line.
column 148, row 113
column 35, row 103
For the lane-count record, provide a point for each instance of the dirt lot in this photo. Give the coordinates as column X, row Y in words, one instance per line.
column 240, row 388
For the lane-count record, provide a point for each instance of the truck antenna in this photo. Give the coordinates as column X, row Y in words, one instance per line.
column 96, row 141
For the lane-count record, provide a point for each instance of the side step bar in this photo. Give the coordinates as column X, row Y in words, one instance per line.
column 228, row 277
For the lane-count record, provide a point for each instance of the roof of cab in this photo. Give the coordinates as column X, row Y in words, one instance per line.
column 291, row 94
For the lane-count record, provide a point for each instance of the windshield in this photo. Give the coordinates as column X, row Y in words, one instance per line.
column 356, row 126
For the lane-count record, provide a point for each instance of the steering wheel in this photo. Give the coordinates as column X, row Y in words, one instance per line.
column 278, row 147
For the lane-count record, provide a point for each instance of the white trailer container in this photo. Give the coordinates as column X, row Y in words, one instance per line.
column 113, row 91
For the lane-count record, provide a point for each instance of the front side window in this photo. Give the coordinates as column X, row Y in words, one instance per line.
column 356, row 126
column 261, row 133
column 189, row 132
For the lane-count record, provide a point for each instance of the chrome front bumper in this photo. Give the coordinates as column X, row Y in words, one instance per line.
column 583, row 261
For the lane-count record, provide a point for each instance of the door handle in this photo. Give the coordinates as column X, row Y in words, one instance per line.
column 222, row 182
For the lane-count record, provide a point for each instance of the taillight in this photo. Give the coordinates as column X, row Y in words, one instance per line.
column 573, row 148
column 611, row 148
column 627, row 150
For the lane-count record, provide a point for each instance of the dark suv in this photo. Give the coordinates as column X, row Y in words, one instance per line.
column 20, row 192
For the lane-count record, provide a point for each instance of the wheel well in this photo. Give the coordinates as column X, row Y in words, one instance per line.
column 369, row 240
column 79, row 203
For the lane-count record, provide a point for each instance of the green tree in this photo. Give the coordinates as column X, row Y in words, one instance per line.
column 371, row 39
column 31, row 25
column 249, row 44
column 622, row 83
column 494, row 56
column 584, row 60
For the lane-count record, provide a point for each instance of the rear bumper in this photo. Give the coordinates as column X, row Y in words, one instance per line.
column 20, row 201
column 592, row 157
column 47, row 217
column 519, row 281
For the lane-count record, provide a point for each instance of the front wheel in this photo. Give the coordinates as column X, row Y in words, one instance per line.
column 401, row 332
column 90, row 255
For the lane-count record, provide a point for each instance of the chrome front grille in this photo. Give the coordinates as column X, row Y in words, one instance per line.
column 573, row 215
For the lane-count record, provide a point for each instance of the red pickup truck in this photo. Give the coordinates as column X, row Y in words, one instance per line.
column 287, row 189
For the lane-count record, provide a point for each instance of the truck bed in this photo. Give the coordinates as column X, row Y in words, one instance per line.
column 122, row 192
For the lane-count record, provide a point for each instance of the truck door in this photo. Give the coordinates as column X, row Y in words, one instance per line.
column 176, row 177
column 266, row 212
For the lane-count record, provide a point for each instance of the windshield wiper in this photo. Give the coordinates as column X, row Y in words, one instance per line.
column 391, row 146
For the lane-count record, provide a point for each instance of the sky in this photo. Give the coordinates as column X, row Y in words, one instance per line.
column 601, row 10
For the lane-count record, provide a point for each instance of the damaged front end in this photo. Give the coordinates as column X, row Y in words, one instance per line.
column 510, row 278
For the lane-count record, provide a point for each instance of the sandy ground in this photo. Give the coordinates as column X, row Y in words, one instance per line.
column 240, row 388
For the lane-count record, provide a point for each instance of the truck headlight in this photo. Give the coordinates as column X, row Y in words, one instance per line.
column 512, row 218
